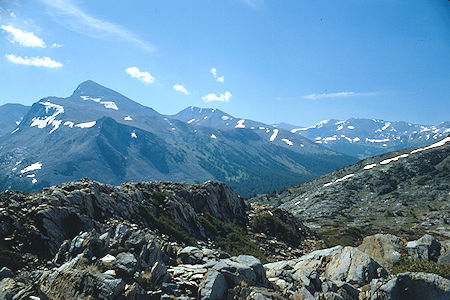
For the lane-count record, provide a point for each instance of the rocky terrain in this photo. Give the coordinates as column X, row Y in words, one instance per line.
column 162, row 240
column 405, row 193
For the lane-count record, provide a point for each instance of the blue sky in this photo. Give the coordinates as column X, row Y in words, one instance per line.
column 289, row 61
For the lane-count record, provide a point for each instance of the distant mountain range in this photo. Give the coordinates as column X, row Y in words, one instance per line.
column 101, row 134
column 368, row 137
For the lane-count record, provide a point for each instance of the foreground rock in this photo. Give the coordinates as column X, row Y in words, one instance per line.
column 413, row 286
column 386, row 249
column 85, row 240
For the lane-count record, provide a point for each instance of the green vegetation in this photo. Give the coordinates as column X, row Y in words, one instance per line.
column 231, row 238
column 410, row 265
column 274, row 226
column 346, row 236
column 11, row 260
column 160, row 197
column 166, row 226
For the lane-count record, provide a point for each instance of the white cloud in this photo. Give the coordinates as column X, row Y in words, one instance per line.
column 68, row 13
column 45, row 62
column 25, row 39
column 220, row 79
column 143, row 76
column 180, row 88
column 213, row 97
column 214, row 72
column 336, row 95
column 56, row 45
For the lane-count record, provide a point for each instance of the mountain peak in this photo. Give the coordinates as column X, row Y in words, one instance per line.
column 91, row 88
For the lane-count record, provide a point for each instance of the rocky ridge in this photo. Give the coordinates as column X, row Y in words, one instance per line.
column 86, row 240
column 404, row 192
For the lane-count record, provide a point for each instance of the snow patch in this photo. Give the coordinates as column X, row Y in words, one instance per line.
column 190, row 121
column 376, row 141
column 370, row 166
column 339, row 180
column 213, row 136
column 106, row 104
column 56, row 125
column 240, row 124
column 225, row 118
column 133, row 135
column 386, row 126
column 34, row 180
column 86, row 124
column 32, row 167
column 274, row 135
column 68, row 123
column 438, row 144
column 351, row 127
column 128, row 118
column 48, row 120
column 287, row 142
column 386, row 161
column 340, row 127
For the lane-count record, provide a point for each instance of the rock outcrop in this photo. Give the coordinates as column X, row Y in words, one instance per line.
column 85, row 240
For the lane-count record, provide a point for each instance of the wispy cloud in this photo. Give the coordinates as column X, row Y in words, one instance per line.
column 70, row 14
column 220, row 79
column 213, row 97
column 56, row 45
column 45, row 62
column 180, row 88
column 254, row 3
column 143, row 76
column 337, row 95
column 23, row 38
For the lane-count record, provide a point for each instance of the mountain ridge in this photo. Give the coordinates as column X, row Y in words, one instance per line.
column 102, row 134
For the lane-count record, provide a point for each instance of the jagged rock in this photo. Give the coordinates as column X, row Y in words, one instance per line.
column 385, row 249
column 125, row 264
column 150, row 254
column 414, row 286
column 8, row 288
column 5, row 273
column 190, row 255
column 444, row 258
column 242, row 268
column 135, row 292
column 328, row 296
column 72, row 284
column 427, row 247
column 158, row 273
column 303, row 294
column 213, row 286
column 338, row 263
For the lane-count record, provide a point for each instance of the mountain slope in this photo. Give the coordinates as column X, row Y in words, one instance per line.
column 10, row 116
column 407, row 189
column 368, row 137
column 101, row 134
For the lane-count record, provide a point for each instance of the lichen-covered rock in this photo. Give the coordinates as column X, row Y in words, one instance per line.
column 385, row 249
column 346, row 264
